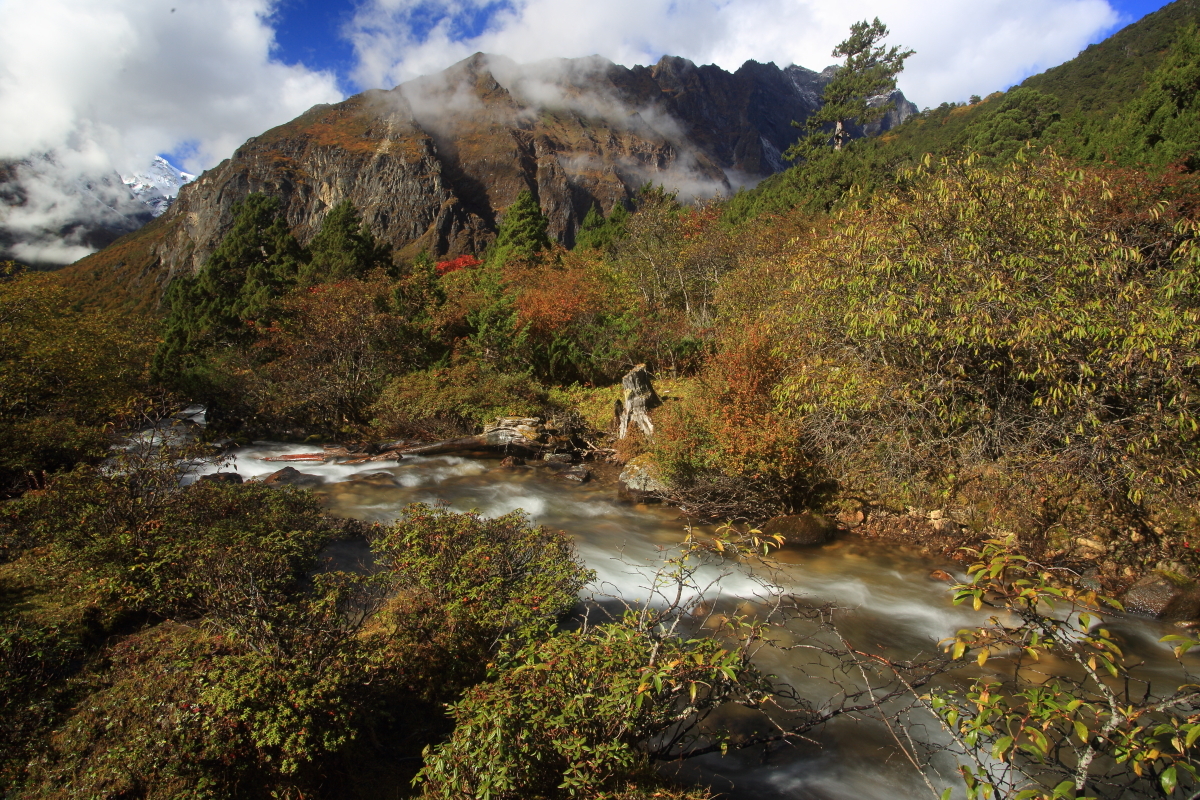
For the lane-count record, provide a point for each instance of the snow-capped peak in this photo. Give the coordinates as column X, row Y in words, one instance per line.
column 157, row 185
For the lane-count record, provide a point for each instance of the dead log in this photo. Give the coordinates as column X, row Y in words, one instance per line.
column 322, row 457
column 525, row 435
column 640, row 398
column 466, row 444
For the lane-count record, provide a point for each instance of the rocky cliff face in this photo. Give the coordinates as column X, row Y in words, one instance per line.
column 433, row 163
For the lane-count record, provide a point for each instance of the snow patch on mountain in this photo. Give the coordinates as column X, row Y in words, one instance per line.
column 158, row 185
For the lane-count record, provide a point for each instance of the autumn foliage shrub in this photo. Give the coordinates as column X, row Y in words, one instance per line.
column 1028, row 333
column 65, row 376
column 454, row 400
column 452, row 265
column 325, row 358
column 727, row 427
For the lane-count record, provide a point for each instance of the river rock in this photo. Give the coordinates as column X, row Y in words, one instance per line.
column 800, row 529
column 641, row 480
column 220, row 477
column 290, row 476
column 578, row 474
column 512, row 462
column 558, row 458
column 375, row 478
column 944, row 526
column 1168, row 597
column 852, row 519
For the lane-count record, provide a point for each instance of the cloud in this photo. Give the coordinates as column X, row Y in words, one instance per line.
column 963, row 47
column 105, row 85
column 442, row 101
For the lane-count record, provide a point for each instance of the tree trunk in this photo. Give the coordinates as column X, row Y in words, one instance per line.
column 640, row 397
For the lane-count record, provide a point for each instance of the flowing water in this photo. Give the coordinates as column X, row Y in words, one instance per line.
column 890, row 604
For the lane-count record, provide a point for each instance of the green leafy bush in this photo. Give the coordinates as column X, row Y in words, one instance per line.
column 1035, row 324
column 131, row 534
column 472, row 579
column 576, row 714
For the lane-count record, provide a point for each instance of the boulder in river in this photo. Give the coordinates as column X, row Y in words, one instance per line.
column 641, row 480
column 220, row 477
column 803, row 529
column 290, row 476
column 578, row 473
column 1166, row 596
column 375, row 478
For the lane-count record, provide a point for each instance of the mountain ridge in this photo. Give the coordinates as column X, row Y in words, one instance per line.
column 432, row 163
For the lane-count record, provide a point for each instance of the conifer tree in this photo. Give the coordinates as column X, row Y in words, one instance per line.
column 522, row 231
column 252, row 266
column 590, row 230
column 869, row 71
column 343, row 248
column 598, row 233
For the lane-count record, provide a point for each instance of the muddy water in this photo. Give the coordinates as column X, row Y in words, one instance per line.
column 890, row 605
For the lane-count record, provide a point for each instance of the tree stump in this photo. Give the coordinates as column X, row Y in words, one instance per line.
column 640, row 397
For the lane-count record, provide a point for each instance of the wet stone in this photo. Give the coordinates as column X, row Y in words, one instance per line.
column 220, row 477
column 290, row 476
column 577, row 474
column 1167, row 597
column 800, row 529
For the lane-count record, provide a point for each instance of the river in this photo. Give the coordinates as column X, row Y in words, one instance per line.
column 887, row 599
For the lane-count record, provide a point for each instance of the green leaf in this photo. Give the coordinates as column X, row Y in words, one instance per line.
column 1167, row 779
column 1192, row 734
column 1001, row 747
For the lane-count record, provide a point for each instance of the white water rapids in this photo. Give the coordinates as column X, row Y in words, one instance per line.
column 890, row 603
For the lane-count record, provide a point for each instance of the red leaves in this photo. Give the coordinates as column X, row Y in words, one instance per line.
column 462, row 262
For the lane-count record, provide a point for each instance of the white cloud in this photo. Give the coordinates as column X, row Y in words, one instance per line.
column 140, row 77
column 105, row 85
column 963, row 47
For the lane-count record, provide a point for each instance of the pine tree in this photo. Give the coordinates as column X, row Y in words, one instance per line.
column 591, row 231
column 255, row 263
column 343, row 248
column 522, row 231
column 869, row 71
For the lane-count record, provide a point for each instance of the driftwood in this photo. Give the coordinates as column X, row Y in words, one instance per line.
column 640, row 398
column 466, row 444
column 526, row 435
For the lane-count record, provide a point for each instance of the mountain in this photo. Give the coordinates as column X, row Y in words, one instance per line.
column 157, row 186
column 432, row 163
column 54, row 211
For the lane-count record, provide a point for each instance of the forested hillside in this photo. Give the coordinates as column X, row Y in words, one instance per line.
column 979, row 330
column 1129, row 100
